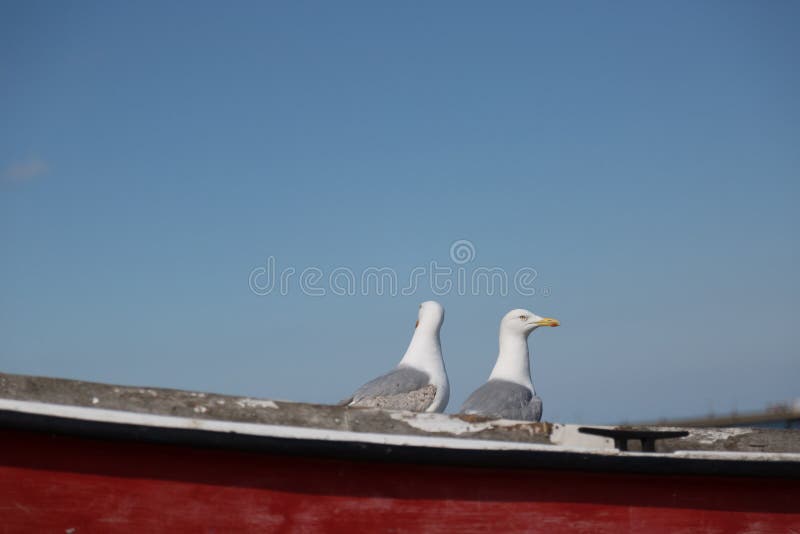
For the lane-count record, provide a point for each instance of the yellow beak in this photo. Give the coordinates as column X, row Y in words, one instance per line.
column 546, row 321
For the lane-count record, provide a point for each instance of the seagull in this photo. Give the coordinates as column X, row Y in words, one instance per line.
column 419, row 382
column 509, row 392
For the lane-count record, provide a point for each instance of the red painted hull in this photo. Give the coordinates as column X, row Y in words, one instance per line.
column 55, row 483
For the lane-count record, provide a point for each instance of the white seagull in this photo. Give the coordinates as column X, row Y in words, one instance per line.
column 419, row 382
column 509, row 392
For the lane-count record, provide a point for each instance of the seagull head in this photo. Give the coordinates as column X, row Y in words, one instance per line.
column 430, row 316
column 524, row 321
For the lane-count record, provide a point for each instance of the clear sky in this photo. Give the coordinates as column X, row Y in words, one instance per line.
column 642, row 157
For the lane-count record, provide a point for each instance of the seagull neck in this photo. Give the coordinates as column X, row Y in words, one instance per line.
column 513, row 362
column 424, row 350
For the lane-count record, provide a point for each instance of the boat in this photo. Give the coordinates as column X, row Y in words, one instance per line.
column 88, row 457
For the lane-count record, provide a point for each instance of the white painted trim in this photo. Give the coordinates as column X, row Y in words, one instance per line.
column 291, row 432
column 253, row 429
column 740, row 456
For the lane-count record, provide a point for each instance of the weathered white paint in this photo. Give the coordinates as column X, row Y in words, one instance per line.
column 568, row 435
column 740, row 456
column 432, row 422
column 709, row 436
column 280, row 431
column 255, row 403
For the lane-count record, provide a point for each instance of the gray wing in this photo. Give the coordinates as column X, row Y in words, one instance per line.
column 403, row 388
column 501, row 398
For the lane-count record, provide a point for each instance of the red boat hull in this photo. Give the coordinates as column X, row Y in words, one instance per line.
column 53, row 483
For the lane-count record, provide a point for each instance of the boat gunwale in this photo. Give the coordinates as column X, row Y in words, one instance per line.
column 116, row 425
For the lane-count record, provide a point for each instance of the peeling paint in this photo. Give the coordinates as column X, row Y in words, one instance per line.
column 438, row 436
column 208, row 411
column 438, row 423
column 256, row 403
column 740, row 456
column 709, row 436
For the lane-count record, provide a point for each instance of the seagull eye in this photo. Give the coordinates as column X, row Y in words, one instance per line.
column 523, row 317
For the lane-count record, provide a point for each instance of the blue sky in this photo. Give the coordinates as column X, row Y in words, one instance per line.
column 643, row 157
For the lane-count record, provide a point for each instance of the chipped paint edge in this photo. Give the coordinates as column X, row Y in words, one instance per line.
column 442, row 423
column 293, row 432
column 247, row 402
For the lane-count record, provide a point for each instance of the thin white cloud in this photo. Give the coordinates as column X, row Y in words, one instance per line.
column 24, row 171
